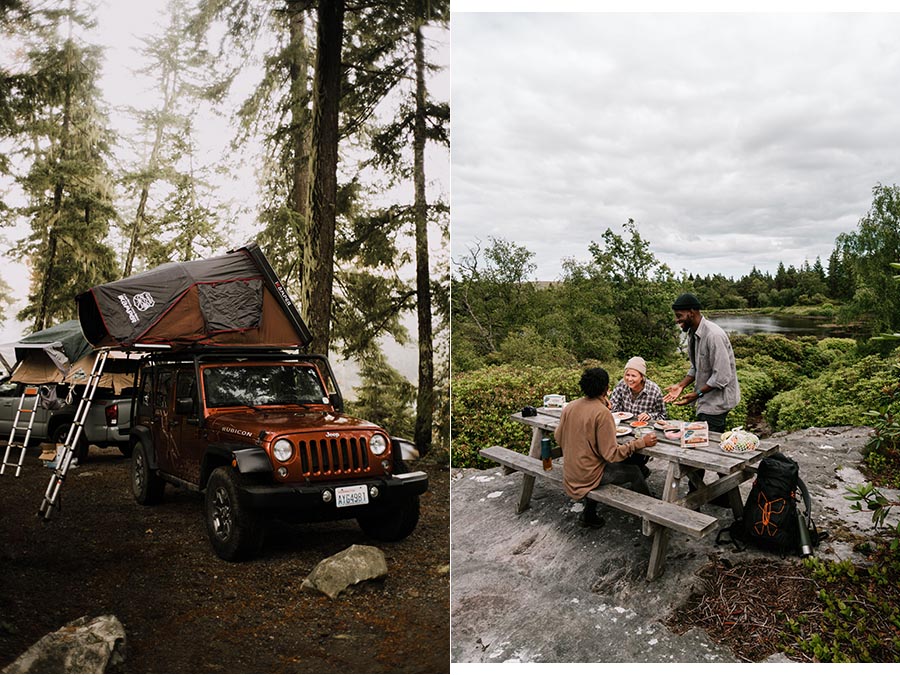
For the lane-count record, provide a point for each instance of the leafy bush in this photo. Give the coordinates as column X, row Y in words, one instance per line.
column 839, row 396
column 526, row 347
column 482, row 402
column 784, row 376
column 757, row 387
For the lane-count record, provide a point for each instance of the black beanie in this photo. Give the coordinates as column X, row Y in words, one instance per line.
column 686, row 301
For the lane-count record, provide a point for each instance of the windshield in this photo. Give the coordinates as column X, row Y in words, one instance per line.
column 262, row 384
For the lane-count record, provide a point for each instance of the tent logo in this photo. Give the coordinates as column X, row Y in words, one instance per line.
column 143, row 301
column 129, row 310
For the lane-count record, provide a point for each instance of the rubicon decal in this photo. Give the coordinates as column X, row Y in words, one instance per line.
column 239, row 432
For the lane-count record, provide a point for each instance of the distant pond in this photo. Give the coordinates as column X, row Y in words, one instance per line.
column 785, row 324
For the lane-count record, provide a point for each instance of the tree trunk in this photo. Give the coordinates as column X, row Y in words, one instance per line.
column 299, row 115
column 170, row 87
column 425, row 397
column 46, row 290
column 317, row 256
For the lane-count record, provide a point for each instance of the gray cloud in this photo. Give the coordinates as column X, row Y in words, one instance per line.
column 732, row 140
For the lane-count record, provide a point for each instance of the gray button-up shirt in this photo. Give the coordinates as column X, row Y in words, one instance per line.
column 712, row 364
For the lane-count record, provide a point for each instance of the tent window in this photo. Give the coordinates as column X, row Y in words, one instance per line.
column 231, row 305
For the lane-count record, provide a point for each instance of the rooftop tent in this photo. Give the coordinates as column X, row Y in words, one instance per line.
column 61, row 354
column 46, row 355
column 230, row 300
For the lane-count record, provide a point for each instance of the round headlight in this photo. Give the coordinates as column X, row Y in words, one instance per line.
column 379, row 444
column 283, row 450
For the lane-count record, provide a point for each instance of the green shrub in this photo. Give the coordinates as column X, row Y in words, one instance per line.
column 757, row 387
column 526, row 347
column 839, row 396
column 483, row 400
column 784, row 376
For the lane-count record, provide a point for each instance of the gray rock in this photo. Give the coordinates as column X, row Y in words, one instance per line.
column 82, row 646
column 350, row 566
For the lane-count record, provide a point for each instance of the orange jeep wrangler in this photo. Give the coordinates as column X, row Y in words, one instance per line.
column 258, row 432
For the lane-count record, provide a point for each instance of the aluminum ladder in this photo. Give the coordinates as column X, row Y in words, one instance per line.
column 28, row 405
column 64, row 456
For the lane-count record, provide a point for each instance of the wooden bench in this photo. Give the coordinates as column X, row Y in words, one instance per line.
column 664, row 514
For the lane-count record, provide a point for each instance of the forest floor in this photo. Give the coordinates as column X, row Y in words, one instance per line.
column 185, row 610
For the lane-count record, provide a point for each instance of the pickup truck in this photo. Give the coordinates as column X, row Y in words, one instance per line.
column 106, row 424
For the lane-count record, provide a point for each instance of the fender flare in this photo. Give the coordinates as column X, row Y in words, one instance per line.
column 246, row 459
column 142, row 434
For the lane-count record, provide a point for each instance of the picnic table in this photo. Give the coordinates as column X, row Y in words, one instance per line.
column 673, row 511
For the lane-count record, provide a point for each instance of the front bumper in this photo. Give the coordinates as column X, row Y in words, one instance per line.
column 306, row 501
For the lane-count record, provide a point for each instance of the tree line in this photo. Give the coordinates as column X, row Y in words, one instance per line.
column 342, row 112
column 617, row 304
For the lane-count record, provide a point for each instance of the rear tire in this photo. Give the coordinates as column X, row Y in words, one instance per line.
column 394, row 522
column 147, row 487
column 235, row 531
column 61, row 433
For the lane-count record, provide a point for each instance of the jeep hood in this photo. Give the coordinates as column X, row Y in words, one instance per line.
column 249, row 424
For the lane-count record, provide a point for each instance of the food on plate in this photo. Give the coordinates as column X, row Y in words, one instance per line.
column 619, row 416
column 638, row 423
column 621, row 431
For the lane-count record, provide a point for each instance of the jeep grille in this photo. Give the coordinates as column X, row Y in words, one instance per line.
column 333, row 456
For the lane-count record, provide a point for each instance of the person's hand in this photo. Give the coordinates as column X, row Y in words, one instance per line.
column 687, row 398
column 650, row 440
column 674, row 392
column 643, row 417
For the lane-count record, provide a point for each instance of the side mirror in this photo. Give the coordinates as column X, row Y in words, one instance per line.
column 184, row 406
column 336, row 401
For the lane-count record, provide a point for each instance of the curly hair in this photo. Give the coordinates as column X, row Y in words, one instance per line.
column 594, row 382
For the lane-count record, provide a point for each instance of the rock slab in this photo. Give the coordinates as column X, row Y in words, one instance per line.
column 351, row 566
column 82, row 646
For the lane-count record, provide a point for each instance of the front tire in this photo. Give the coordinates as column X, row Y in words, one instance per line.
column 146, row 486
column 234, row 530
column 393, row 523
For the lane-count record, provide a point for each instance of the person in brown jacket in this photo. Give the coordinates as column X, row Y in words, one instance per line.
column 591, row 454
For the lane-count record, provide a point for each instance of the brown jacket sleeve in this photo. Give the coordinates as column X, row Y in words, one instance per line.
column 610, row 450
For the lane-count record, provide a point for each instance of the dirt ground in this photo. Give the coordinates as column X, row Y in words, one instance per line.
column 185, row 610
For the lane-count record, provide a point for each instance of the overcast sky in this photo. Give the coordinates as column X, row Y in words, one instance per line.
column 732, row 140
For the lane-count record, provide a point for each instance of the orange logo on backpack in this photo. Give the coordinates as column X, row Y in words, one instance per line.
column 768, row 509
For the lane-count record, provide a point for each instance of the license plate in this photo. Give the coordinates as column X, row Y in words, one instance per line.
column 352, row 495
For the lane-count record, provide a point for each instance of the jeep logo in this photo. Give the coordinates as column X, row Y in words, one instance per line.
column 332, row 434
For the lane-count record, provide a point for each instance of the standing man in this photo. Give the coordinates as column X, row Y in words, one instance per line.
column 713, row 371
column 591, row 455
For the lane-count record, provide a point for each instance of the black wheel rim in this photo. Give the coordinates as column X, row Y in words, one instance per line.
column 138, row 473
column 221, row 514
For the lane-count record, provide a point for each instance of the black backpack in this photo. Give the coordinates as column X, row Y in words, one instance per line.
column 772, row 520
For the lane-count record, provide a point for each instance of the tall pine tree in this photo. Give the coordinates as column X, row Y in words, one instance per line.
column 65, row 143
